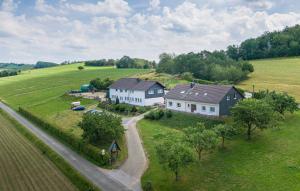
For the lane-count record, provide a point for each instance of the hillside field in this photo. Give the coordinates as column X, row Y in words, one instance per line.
column 23, row 167
column 282, row 74
column 42, row 93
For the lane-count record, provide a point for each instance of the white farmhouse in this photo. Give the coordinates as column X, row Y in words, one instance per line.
column 212, row 100
column 135, row 91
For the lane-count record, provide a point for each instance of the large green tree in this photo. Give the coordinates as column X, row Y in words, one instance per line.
column 174, row 155
column 281, row 101
column 201, row 138
column 253, row 114
column 99, row 128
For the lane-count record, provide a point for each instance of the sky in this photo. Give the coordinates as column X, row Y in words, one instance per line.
column 60, row 30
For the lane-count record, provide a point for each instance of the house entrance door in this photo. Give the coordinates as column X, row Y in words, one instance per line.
column 193, row 108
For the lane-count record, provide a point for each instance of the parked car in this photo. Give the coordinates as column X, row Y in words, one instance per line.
column 78, row 108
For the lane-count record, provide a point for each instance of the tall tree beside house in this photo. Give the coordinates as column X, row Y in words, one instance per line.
column 281, row 101
column 174, row 156
column 200, row 138
column 99, row 84
column 101, row 128
column 254, row 114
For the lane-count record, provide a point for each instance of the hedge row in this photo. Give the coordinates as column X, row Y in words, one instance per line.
column 158, row 114
column 89, row 151
column 123, row 108
column 76, row 178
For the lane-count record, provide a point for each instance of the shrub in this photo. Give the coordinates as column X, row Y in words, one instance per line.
column 155, row 115
column 168, row 113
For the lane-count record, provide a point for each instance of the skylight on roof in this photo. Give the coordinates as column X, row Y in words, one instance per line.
column 205, row 94
column 182, row 92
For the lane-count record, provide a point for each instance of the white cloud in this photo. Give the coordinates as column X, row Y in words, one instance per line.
column 106, row 7
column 112, row 33
column 8, row 5
column 154, row 5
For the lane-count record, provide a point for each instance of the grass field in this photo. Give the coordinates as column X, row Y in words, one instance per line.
column 42, row 92
column 281, row 74
column 269, row 162
column 23, row 167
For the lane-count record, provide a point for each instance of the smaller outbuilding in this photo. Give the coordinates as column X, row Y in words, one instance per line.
column 211, row 100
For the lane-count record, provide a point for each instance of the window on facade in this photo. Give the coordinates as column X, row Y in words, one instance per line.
column 228, row 97
column 212, row 109
column 170, row 103
column 160, row 91
column 131, row 91
column 125, row 90
column 121, row 90
column 135, row 99
column 203, row 108
column 178, row 104
column 116, row 90
column 151, row 92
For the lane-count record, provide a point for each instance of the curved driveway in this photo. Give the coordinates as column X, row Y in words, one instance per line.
column 127, row 177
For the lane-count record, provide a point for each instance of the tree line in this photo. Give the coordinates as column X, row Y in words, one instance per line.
column 211, row 66
column 269, row 45
column 5, row 73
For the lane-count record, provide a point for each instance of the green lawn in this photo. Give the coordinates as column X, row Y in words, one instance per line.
column 42, row 92
column 281, row 74
column 23, row 167
column 271, row 161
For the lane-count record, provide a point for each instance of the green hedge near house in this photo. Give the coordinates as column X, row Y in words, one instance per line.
column 75, row 177
column 88, row 151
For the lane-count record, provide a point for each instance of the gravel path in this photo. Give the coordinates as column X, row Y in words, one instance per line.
column 127, row 177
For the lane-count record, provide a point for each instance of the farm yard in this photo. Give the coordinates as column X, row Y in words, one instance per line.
column 269, row 162
column 23, row 167
column 42, row 92
column 280, row 74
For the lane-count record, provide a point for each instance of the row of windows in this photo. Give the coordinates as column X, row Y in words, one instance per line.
column 127, row 98
column 203, row 108
column 159, row 91
column 130, row 91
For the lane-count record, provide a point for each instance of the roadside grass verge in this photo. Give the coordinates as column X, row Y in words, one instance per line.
column 75, row 177
column 268, row 162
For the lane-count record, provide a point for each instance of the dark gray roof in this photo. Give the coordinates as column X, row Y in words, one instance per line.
column 199, row 93
column 133, row 84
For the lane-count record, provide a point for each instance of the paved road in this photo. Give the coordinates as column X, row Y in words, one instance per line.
column 125, row 178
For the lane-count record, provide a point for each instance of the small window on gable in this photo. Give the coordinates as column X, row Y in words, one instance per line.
column 235, row 96
column 151, row 92
column 160, row 91
column 228, row 97
column 178, row 104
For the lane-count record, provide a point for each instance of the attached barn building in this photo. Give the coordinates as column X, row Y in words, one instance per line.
column 212, row 100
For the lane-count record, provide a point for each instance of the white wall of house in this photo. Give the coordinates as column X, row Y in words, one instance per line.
column 128, row 96
column 133, row 97
column 185, row 106
column 152, row 101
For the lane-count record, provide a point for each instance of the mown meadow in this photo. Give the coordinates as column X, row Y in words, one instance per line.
column 282, row 74
column 270, row 161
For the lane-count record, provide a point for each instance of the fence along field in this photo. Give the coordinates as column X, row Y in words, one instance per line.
column 23, row 167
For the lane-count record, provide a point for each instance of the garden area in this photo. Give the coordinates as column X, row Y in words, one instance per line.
column 188, row 152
